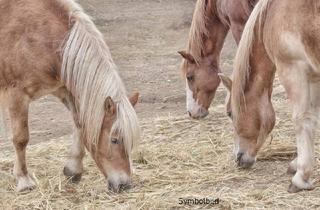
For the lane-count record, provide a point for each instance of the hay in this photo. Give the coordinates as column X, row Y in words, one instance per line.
column 177, row 158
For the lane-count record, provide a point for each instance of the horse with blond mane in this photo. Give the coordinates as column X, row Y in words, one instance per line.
column 282, row 36
column 211, row 22
column 53, row 47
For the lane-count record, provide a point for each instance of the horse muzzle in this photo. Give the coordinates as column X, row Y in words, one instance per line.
column 244, row 160
column 199, row 114
column 119, row 182
column 118, row 187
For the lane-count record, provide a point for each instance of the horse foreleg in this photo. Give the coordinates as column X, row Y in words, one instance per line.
column 74, row 165
column 292, row 169
column 302, row 97
column 18, row 111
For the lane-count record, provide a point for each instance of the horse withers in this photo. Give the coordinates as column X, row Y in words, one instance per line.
column 211, row 22
column 282, row 36
column 53, row 47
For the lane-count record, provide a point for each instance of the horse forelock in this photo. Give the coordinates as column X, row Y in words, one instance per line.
column 242, row 59
column 198, row 30
column 90, row 74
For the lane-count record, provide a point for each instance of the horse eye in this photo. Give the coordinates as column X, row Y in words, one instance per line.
column 114, row 141
column 190, row 78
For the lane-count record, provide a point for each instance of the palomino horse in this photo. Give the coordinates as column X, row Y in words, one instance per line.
column 52, row 47
column 282, row 35
column 211, row 22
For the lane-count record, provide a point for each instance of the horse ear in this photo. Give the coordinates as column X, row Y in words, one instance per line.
column 110, row 107
column 134, row 99
column 187, row 56
column 227, row 82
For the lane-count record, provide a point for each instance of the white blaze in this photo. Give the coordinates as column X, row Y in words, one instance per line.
column 192, row 105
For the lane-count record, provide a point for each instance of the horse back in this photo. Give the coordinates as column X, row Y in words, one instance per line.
column 292, row 31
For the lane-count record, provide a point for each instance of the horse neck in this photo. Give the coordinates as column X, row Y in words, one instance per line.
column 253, row 113
column 217, row 32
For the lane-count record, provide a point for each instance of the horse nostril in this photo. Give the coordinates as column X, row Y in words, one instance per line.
column 239, row 156
column 123, row 187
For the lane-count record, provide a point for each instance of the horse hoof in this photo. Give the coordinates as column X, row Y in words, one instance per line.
column 294, row 189
column 74, row 177
column 291, row 171
column 25, row 184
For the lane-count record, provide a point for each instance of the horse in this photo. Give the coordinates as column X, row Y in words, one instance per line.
column 282, row 36
column 211, row 22
column 53, row 47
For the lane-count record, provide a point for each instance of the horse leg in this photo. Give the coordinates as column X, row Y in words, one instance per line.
column 292, row 169
column 74, row 166
column 315, row 103
column 18, row 112
column 302, row 96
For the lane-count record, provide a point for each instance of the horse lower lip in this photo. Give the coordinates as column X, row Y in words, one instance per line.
column 201, row 116
column 244, row 165
column 204, row 115
column 125, row 187
column 112, row 189
column 193, row 116
column 241, row 164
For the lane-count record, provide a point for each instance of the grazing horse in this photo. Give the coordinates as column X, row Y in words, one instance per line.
column 282, row 36
column 211, row 22
column 53, row 47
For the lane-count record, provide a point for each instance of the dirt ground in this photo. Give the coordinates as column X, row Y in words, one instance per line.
column 144, row 37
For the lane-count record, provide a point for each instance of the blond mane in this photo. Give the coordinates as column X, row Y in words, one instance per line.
column 242, row 60
column 198, row 30
column 89, row 72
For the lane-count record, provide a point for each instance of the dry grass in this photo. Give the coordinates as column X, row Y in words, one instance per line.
column 178, row 158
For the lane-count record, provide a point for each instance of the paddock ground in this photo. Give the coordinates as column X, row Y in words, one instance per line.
column 178, row 157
